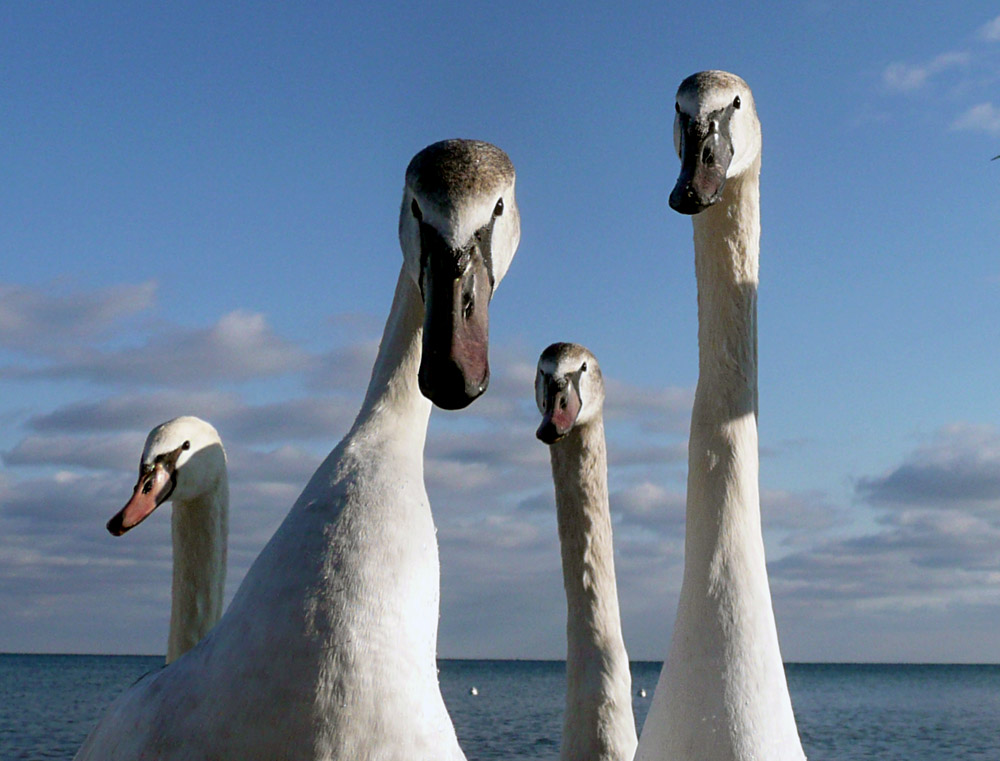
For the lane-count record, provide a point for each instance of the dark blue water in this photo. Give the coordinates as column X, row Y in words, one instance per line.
column 918, row 713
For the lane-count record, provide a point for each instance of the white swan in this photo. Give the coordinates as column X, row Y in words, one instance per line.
column 183, row 461
column 722, row 692
column 328, row 649
column 599, row 725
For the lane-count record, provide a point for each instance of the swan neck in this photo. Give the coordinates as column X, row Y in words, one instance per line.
column 722, row 694
column 727, row 249
column 722, row 453
column 393, row 404
column 579, row 469
column 599, row 721
column 200, row 529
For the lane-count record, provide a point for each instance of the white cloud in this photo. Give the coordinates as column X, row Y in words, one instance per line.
column 41, row 321
column 105, row 452
column 934, row 546
column 298, row 419
column 906, row 77
column 984, row 117
column 239, row 347
column 652, row 409
column 57, row 510
column 287, row 465
column 649, row 505
column 933, row 557
column 132, row 412
column 60, row 565
column 958, row 467
column 799, row 517
column 513, row 446
column 324, row 419
column 969, row 74
column 348, row 368
column 487, row 476
column 621, row 455
column 990, row 31
column 920, row 559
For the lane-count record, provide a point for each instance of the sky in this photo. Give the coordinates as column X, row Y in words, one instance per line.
column 199, row 217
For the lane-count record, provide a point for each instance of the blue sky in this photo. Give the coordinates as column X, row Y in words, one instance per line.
column 199, row 216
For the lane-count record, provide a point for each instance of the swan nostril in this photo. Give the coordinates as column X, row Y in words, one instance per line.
column 706, row 155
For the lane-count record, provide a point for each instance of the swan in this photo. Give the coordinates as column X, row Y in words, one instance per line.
column 722, row 693
column 328, row 649
column 569, row 391
column 183, row 461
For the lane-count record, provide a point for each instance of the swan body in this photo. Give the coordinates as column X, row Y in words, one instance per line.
column 328, row 649
column 184, row 462
column 569, row 391
column 722, row 693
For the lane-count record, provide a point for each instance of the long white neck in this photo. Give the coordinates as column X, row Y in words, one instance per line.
column 200, row 530
column 723, row 508
column 393, row 407
column 599, row 722
column 722, row 694
column 394, row 412
column 384, row 451
column 727, row 248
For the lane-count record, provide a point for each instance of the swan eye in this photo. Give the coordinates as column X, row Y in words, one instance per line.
column 736, row 102
column 186, row 445
column 498, row 209
column 583, row 368
column 677, row 107
column 416, row 211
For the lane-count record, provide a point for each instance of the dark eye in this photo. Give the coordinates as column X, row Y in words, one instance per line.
column 584, row 368
column 736, row 102
column 416, row 211
column 677, row 107
column 186, row 445
column 498, row 209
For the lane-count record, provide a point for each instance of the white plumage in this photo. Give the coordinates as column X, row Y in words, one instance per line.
column 328, row 648
column 183, row 462
column 599, row 725
column 722, row 693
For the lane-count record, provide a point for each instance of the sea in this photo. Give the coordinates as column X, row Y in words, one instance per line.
column 48, row 703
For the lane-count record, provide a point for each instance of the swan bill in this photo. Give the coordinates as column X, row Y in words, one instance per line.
column 561, row 407
column 459, row 228
column 154, row 487
column 457, row 287
column 706, row 150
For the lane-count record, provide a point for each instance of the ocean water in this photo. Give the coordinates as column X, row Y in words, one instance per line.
column 918, row 713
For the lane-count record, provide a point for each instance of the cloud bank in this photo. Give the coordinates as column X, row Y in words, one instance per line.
column 916, row 543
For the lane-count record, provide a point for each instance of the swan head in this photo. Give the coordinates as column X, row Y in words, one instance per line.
column 459, row 228
column 183, row 459
column 716, row 135
column 569, row 390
